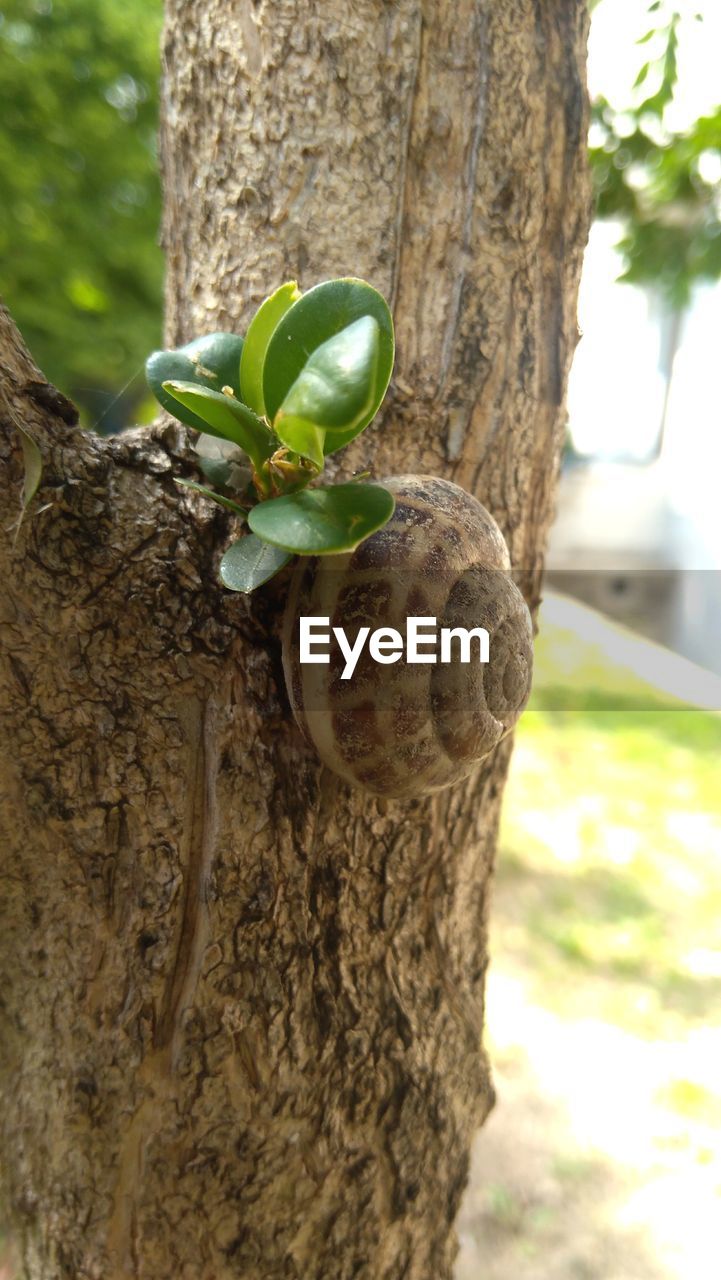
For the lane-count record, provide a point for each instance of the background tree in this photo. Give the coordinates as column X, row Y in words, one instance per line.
column 242, row 1004
column 662, row 184
column 82, row 269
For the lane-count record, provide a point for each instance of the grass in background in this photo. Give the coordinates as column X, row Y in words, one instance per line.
column 611, row 844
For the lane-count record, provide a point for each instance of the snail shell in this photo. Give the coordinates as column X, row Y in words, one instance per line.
column 405, row 729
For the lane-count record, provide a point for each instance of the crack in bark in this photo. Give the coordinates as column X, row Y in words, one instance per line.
column 156, row 1073
column 197, row 719
column 403, row 189
column 475, row 137
column 119, row 569
column 122, row 1227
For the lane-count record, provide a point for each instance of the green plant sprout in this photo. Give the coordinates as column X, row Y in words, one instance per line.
column 309, row 376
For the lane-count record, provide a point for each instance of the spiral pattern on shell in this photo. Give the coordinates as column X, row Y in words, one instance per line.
column 406, row 729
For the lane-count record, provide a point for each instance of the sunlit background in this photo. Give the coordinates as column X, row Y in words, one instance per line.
column 602, row 1160
column 639, row 527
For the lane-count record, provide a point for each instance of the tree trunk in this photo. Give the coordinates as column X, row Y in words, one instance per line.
column 241, row 1005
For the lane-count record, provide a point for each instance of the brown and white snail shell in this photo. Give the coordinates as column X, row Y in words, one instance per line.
column 405, row 730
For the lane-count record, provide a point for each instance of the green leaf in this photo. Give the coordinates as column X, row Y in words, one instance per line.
column 212, row 361
column 226, row 417
column 250, row 562
column 32, row 458
column 323, row 521
column 214, row 497
column 260, row 331
column 303, row 437
column 320, row 314
column 335, row 389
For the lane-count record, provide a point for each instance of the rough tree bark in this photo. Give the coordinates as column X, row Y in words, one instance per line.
column 240, row 1005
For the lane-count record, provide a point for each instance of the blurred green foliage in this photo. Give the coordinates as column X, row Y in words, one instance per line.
column 662, row 185
column 81, row 265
